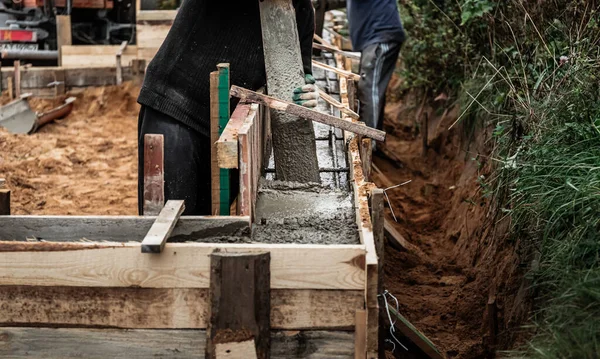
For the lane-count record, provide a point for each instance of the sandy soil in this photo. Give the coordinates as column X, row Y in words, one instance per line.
column 83, row 164
column 462, row 257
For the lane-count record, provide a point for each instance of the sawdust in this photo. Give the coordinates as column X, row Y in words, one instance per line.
column 85, row 163
column 463, row 257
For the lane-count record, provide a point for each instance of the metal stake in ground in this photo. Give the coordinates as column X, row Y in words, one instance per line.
column 294, row 144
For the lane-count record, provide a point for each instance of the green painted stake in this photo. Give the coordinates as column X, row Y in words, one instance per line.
column 225, row 196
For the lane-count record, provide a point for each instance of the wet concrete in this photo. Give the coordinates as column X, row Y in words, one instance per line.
column 304, row 213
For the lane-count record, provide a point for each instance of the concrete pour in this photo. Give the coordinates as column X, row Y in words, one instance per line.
column 304, row 213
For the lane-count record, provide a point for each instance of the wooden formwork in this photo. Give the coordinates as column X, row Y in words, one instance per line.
column 81, row 286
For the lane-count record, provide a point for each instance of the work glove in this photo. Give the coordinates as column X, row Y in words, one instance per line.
column 307, row 95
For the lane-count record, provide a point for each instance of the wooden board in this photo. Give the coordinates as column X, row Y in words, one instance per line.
column 215, row 172
column 155, row 15
column 240, row 306
column 154, row 174
column 116, row 228
column 46, row 343
column 161, row 229
column 251, row 158
column 95, row 55
column 166, row 308
column 150, row 35
column 181, row 265
column 63, row 33
column 227, row 145
column 306, row 113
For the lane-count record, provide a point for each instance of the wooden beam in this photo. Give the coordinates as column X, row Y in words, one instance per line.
column 181, row 265
column 335, row 103
column 347, row 74
column 360, row 335
column 4, row 202
column 397, row 240
column 155, row 240
column 333, row 50
column 271, row 102
column 119, row 66
column 214, row 136
column 227, row 145
column 154, row 174
column 17, row 78
column 378, row 218
column 44, row 343
column 366, row 157
column 63, row 34
column 166, row 308
column 415, row 336
column 117, row 228
column 94, row 55
column 240, row 305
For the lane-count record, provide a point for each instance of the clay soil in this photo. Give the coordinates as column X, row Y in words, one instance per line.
column 85, row 163
column 462, row 260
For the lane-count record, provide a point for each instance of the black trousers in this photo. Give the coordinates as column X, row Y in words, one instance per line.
column 187, row 161
column 377, row 65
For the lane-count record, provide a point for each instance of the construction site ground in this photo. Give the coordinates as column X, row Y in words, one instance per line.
column 87, row 164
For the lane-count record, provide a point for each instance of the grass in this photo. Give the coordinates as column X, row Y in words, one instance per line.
column 532, row 70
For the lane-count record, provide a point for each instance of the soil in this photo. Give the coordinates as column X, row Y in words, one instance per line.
column 85, row 163
column 462, row 258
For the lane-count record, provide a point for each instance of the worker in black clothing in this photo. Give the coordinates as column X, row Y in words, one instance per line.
column 375, row 31
column 175, row 96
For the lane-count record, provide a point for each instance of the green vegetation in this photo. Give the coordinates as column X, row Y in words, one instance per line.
column 531, row 69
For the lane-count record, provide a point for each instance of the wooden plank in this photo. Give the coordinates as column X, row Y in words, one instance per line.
column 119, row 66
column 227, row 145
column 240, row 305
column 335, row 103
column 17, row 79
column 378, row 219
column 63, row 34
column 151, row 36
column 360, row 335
column 154, row 174
column 366, row 157
column 224, row 114
column 60, row 343
column 397, row 240
column 156, row 15
column 166, row 308
column 116, row 228
column 155, row 240
column 340, row 72
column 294, row 145
column 334, row 50
column 4, row 202
column 215, row 171
column 181, row 265
column 415, row 336
column 10, row 87
column 288, row 107
column 94, row 55
column 235, row 350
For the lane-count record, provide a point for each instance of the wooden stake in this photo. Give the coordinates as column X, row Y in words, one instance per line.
column 240, row 305
column 224, row 112
column 17, row 79
column 154, row 174
column 355, row 127
column 119, row 65
column 347, row 74
column 335, row 103
column 63, row 34
column 214, row 136
column 378, row 223
column 161, row 229
column 360, row 335
column 10, row 88
column 366, row 151
column 4, row 202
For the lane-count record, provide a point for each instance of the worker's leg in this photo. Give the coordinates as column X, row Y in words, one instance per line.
column 376, row 68
column 187, row 161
